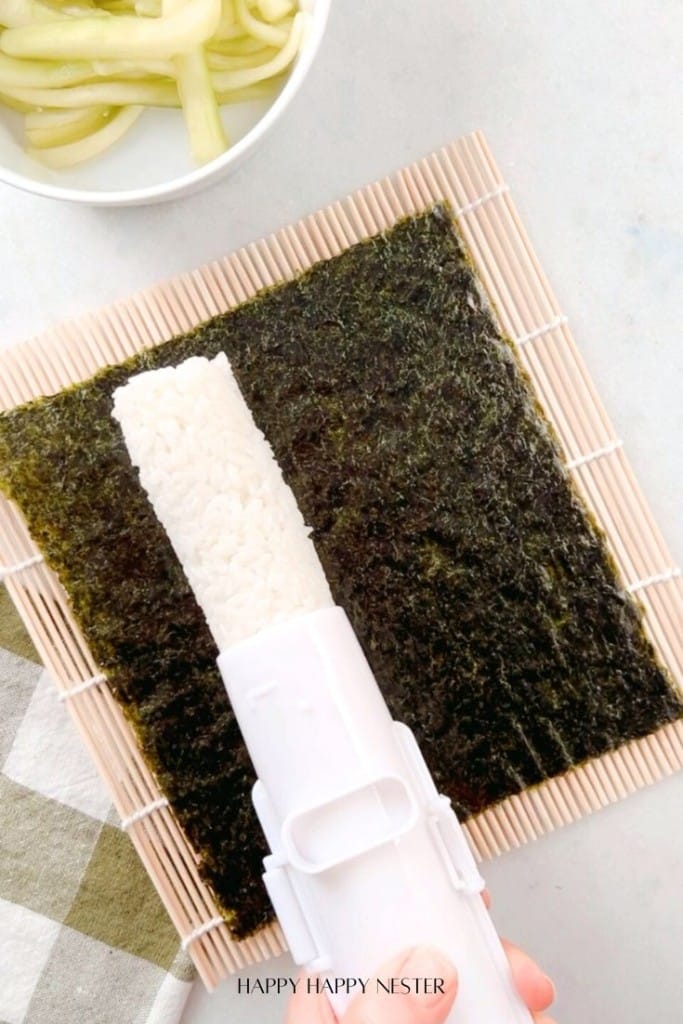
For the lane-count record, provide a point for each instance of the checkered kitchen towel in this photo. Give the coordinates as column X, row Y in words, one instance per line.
column 83, row 935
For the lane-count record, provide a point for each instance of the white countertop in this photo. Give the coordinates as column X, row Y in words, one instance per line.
column 580, row 107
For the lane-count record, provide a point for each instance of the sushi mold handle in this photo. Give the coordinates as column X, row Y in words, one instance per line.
column 354, row 821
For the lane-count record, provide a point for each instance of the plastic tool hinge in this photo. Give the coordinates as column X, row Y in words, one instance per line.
column 447, row 832
column 290, row 912
column 287, row 891
column 452, row 845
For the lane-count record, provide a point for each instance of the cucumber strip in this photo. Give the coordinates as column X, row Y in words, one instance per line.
column 85, row 123
column 12, row 103
column 200, row 109
column 38, row 119
column 40, row 74
column 109, row 94
column 117, row 6
column 71, row 9
column 123, row 37
column 270, row 34
column 18, row 13
column 228, row 32
column 223, row 80
column 35, row 74
column 92, row 145
column 222, row 62
column 154, row 67
column 237, row 45
column 260, row 91
column 274, row 10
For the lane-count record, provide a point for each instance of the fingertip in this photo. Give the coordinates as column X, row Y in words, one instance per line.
column 308, row 1007
column 437, row 982
column 417, row 987
column 536, row 988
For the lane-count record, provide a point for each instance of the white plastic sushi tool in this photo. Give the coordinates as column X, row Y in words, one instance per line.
column 366, row 857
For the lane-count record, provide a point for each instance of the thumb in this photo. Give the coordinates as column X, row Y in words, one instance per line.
column 417, row 987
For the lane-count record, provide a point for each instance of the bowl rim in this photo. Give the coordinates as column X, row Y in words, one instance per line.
column 190, row 182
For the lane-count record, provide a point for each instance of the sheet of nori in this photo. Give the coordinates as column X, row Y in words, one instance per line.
column 476, row 581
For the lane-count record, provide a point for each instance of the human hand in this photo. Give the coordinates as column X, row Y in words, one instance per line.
column 535, row 988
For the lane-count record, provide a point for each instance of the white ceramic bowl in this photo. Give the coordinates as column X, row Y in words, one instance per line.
column 152, row 162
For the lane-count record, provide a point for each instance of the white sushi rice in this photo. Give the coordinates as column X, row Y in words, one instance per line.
column 216, row 488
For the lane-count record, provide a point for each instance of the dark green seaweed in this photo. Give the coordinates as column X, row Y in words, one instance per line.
column 477, row 583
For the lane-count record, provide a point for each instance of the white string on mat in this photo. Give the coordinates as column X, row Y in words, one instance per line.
column 599, row 453
column 650, row 581
column 201, row 930
column 13, row 570
column 144, row 812
column 77, row 688
column 462, row 211
column 552, row 325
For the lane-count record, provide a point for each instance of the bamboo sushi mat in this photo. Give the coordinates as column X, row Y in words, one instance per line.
column 527, row 311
